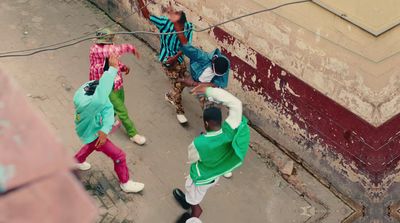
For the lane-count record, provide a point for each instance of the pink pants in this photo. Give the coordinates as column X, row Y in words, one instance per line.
column 112, row 151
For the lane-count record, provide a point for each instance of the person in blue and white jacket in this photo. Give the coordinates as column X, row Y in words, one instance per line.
column 210, row 69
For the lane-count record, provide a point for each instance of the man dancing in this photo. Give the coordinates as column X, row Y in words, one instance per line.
column 94, row 119
column 170, row 56
column 211, row 69
column 99, row 53
column 220, row 150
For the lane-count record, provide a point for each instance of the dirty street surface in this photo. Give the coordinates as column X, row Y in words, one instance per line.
column 256, row 193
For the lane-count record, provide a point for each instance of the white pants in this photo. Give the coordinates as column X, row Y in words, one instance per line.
column 195, row 194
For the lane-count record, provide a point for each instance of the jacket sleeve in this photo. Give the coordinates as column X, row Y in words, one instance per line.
column 221, row 82
column 193, row 154
column 159, row 21
column 107, row 117
column 189, row 34
column 124, row 48
column 235, row 105
column 122, row 67
column 103, row 90
column 193, row 53
column 116, row 49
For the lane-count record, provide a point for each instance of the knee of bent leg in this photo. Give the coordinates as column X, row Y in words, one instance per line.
column 120, row 158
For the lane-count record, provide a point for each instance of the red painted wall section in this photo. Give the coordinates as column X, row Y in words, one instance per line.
column 373, row 149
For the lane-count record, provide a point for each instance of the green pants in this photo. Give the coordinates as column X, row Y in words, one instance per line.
column 117, row 98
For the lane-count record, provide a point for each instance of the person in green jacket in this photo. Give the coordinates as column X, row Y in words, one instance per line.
column 220, row 150
column 94, row 118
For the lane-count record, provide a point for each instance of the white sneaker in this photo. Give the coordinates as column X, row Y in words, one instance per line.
column 132, row 187
column 83, row 166
column 181, row 118
column 138, row 139
column 228, row 175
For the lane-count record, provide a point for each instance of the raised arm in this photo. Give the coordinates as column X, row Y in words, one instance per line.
column 193, row 154
column 144, row 9
column 190, row 51
column 115, row 49
column 181, row 35
column 120, row 49
column 235, row 105
column 189, row 37
column 106, row 82
column 105, row 86
column 107, row 115
column 158, row 21
column 125, row 48
column 172, row 60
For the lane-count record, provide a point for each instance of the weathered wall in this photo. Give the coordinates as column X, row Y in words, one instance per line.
column 339, row 59
column 319, row 85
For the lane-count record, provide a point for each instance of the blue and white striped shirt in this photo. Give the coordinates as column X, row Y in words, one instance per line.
column 170, row 44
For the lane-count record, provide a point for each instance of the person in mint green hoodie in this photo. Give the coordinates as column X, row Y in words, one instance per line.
column 220, row 150
column 94, row 119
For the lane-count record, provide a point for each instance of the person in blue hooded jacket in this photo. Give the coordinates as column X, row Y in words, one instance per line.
column 205, row 68
column 94, row 118
column 211, row 69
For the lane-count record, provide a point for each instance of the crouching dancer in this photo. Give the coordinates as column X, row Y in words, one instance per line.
column 94, row 118
column 220, row 150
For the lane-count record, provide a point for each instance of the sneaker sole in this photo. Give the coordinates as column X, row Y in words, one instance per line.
column 83, row 169
column 179, row 197
column 173, row 104
column 183, row 123
column 139, row 144
column 135, row 192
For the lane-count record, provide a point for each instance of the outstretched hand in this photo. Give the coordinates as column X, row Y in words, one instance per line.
column 101, row 140
column 113, row 61
column 137, row 54
column 200, row 89
column 169, row 8
column 188, row 82
column 170, row 61
column 127, row 70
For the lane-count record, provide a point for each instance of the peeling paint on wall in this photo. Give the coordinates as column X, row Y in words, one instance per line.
column 313, row 90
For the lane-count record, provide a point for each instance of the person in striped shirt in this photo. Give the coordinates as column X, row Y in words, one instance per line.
column 99, row 54
column 170, row 55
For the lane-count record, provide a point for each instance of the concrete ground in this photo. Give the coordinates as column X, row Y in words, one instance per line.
column 257, row 193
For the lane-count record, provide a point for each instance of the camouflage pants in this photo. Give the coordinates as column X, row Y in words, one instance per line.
column 175, row 72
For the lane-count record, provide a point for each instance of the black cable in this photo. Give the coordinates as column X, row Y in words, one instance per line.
column 44, row 49
column 76, row 38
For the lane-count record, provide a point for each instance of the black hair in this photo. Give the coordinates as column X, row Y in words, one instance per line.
column 221, row 65
column 212, row 114
column 91, row 87
column 182, row 20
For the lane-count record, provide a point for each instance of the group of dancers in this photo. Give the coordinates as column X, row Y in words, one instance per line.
column 100, row 108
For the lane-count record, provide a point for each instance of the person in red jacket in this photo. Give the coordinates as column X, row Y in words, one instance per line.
column 99, row 54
